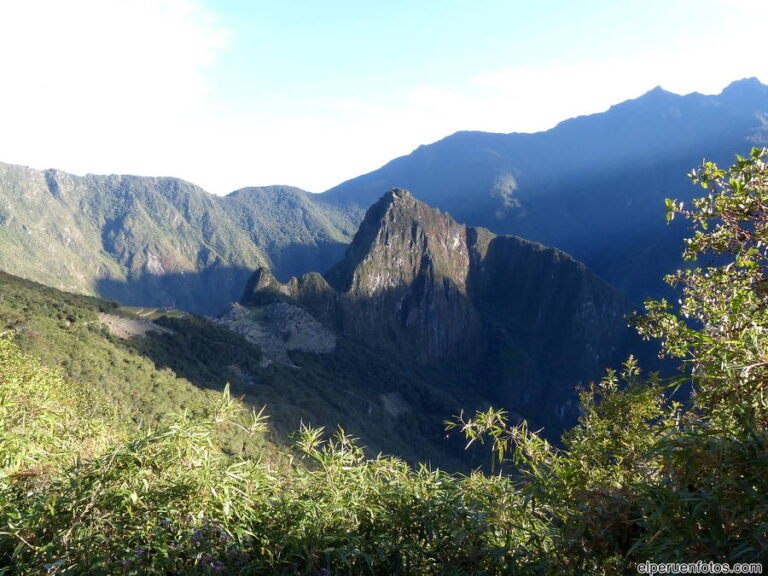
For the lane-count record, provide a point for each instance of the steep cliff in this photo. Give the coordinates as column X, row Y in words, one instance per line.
column 531, row 321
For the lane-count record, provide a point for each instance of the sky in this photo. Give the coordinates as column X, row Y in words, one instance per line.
column 229, row 94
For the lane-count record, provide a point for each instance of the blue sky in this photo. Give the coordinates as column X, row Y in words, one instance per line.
column 232, row 94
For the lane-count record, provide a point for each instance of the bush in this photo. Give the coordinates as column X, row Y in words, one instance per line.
column 642, row 477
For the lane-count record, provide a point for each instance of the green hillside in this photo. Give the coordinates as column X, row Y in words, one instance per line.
column 65, row 332
column 193, row 359
column 157, row 241
column 640, row 479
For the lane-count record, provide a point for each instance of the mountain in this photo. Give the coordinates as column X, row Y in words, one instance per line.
column 526, row 323
column 158, row 241
column 593, row 186
column 149, row 363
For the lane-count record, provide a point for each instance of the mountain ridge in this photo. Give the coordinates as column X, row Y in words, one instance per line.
column 593, row 185
column 156, row 241
column 414, row 284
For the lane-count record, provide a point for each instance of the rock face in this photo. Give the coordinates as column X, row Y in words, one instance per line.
column 531, row 320
column 404, row 279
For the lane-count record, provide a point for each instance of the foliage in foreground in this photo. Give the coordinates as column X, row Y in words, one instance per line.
column 167, row 501
column 641, row 477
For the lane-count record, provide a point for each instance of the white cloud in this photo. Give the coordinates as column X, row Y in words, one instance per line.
column 126, row 86
column 88, row 83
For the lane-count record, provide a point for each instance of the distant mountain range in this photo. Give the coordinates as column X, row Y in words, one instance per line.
column 380, row 309
column 592, row 186
column 158, row 241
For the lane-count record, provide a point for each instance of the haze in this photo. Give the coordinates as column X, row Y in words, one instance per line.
column 237, row 94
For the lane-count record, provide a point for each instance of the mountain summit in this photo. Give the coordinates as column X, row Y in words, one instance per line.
column 406, row 272
column 593, row 186
column 415, row 284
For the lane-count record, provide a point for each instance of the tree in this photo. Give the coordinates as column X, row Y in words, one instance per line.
column 640, row 476
column 719, row 328
column 716, row 457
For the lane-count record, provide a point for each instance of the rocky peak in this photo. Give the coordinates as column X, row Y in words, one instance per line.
column 405, row 273
column 748, row 93
column 415, row 280
column 531, row 320
column 399, row 240
column 263, row 288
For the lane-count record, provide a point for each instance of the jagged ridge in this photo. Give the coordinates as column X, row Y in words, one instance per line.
column 593, row 186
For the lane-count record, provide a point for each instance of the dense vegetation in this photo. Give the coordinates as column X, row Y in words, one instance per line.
column 165, row 500
column 640, row 477
column 158, row 241
column 151, row 376
column 643, row 476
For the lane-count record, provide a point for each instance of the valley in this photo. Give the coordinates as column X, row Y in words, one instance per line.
column 274, row 381
column 499, row 320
